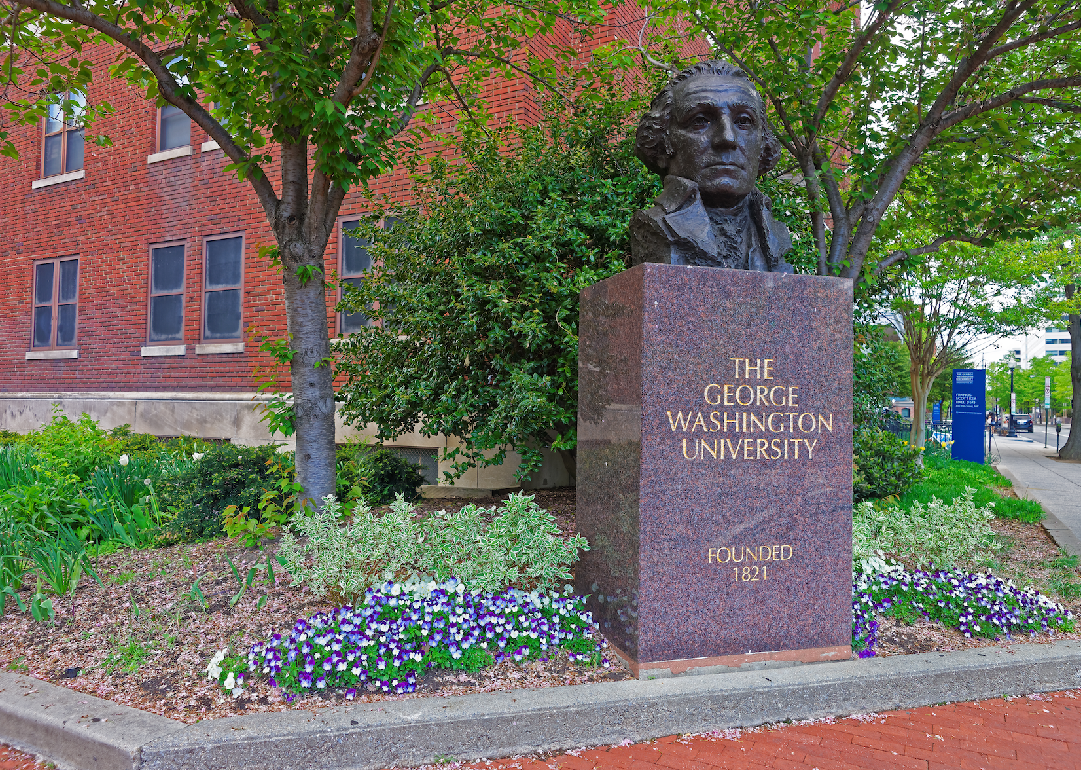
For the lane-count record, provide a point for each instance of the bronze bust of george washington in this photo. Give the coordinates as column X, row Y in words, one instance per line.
column 706, row 135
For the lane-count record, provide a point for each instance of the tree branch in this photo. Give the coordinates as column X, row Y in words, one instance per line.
column 1038, row 37
column 844, row 71
column 1057, row 104
column 367, row 78
column 168, row 88
column 407, row 113
column 250, row 12
column 968, row 66
column 901, row 254
column 508, row 63
column 975, row 108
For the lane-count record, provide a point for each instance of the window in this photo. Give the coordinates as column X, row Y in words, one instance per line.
column 62, row 148
column 56, row 296
column 222, row 278
column 355, row 262
column 174, row 128
column 166, row 316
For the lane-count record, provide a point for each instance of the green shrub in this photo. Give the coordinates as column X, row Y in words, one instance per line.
column 939, row 533
column 125, row 442
column 79, row 445
column 224, row 475
column 520, row 546
column 884, row 465
column 39, row 492
column 376, row 474
column 947, row 479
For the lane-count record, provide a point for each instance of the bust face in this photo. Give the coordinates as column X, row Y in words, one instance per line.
column 716, row 137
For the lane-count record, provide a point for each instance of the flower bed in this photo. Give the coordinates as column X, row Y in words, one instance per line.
column 402, row 631
column 977, row 605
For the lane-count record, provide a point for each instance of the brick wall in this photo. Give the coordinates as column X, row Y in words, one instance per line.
column 123, row 205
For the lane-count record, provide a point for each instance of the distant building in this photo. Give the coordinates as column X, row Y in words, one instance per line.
column 1056, row 342
column 905, row 407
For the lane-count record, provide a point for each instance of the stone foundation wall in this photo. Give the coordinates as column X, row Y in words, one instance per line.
column 235, row 417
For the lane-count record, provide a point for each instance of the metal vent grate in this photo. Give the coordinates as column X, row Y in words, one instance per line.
column 426, row 458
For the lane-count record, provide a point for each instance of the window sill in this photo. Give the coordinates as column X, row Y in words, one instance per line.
column 219, row 347
column 71, row 176
column 208, row 146
column 150, row 351
column 50, row 355
column 176, row 152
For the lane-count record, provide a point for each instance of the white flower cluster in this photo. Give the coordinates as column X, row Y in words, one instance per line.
column 233, row 683
column 213, row 670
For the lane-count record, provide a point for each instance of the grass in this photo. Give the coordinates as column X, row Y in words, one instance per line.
column 1064, row 570
column 128, row 657
column 946, row 479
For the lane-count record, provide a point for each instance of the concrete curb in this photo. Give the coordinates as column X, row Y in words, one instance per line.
column 425, row 730
column 1063, row 536
column 74, row 729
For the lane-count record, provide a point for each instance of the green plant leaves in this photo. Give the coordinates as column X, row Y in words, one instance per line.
column 517, row 544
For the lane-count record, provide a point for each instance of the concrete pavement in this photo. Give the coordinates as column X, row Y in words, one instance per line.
column 79, row 731
column 1038, row 474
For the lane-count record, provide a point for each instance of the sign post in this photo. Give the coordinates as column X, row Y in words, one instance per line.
column 969, row 414
column 1046, row 407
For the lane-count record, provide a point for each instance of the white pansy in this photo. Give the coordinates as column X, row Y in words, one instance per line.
column 213, row 670
column 198, row 455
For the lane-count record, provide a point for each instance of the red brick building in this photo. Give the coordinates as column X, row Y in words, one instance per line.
column 132, row 287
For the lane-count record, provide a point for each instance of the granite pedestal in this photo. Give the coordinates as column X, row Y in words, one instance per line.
column 715, row 466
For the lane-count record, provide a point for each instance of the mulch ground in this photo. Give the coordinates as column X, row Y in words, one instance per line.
column 143, row 639
column 1038, row 732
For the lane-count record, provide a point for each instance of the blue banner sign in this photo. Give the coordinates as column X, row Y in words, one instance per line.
column 969, row 414
column 936, row 412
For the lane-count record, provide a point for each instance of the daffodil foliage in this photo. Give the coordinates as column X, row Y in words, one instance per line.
column 970, row 109
column 307, row 98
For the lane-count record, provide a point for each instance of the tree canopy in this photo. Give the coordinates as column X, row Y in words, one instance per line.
column 967, row 110
column 306, row 99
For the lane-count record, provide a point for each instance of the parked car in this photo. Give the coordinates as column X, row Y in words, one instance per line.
column 1023, row 423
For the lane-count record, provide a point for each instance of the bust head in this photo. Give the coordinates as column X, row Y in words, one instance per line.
column 709, row 125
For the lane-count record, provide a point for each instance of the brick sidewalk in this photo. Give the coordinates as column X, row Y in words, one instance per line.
column 13, row 759
column 1038, row 732
column 1035, row 732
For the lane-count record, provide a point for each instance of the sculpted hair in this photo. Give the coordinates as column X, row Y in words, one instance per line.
column 651, row 141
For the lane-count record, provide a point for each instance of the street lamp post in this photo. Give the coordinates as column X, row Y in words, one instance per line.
column 1013, row 399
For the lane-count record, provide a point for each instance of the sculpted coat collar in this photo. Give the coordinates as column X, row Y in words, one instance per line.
column 679, row 217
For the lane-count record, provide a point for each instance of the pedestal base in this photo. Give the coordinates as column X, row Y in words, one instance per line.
column 722, row 664
column 715, row 466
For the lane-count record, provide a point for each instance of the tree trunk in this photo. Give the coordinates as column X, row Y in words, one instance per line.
column 312, row 373
column 1072, row 448
column 918, row 435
